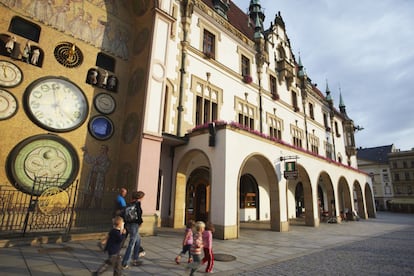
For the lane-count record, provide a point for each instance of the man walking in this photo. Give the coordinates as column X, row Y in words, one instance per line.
column 120, row 202
column 133, row 219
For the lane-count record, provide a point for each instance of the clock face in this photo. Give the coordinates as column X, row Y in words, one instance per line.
column 101, row 127
column 104, row 103
column 45, row 158
column 10, row 74
column 8, row 104
column 56, row 104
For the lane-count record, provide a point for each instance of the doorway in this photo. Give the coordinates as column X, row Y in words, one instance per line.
column 198, row 196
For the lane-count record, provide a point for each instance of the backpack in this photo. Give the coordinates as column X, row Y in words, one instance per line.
column 130, row 213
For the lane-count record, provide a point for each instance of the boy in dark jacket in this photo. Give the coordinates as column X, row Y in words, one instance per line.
column 133, row 230
column 113, row 247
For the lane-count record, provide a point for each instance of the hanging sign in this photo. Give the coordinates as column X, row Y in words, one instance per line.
column 290, row 170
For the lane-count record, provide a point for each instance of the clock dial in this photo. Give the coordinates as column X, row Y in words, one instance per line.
column 101, row 127
column 8, row 104
column 47, row 157
column 56, row 104
column 104, row 103
column 10, row 74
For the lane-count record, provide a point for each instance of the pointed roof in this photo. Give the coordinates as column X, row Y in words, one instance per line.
column 376, row 154
column 237, row 18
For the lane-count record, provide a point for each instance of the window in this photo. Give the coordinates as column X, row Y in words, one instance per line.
column 407, row 175
column 25, row 28
column 297, row 136
column 396, row 177
column 273, row 87
column 337, row 130
column 394, row 165
column 275, row 128
column 328, row 149
column 405, row 165
column 207, row 98
column 295, row 101
column 387, row 189
column 385, row 177
column 209, row 41
column 325, row 121
column 246, row 113
column 311, row 113
column 314, row 143
column 206, row 110
column 245, row 66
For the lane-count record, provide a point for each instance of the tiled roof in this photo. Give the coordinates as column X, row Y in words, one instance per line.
column 376, row 154
column 237, row 18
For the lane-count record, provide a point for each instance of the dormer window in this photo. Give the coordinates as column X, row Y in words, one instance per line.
column 221, row 7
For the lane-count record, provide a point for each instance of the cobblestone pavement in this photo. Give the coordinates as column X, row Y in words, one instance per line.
column 387, row 254
column 378, row 246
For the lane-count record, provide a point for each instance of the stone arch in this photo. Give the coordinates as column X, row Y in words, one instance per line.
column 191, row 162
column 359, row 206
column 344, row 202
column 326, row 197
column 293, row 198
column 263, row 171
column 369, row 201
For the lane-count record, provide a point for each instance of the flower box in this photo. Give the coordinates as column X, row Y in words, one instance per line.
column 247, row 79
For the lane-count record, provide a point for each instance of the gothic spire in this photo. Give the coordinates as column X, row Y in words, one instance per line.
column 257, row 16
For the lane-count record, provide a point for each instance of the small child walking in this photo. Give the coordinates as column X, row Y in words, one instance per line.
column 197, row 246
column 208, row 247
column 187, row 242
column 113, row 247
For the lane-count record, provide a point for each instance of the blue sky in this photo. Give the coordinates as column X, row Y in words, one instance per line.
column 363, row 48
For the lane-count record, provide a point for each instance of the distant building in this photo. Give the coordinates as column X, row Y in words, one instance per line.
column 402, row 172
column 374, row 161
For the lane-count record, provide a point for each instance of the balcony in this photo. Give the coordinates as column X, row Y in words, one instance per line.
column 285, row 68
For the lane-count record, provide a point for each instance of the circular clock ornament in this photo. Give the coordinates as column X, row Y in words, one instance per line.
column 101, row 127
column 104, row 103
column 47, row 157
column 56, row 104
column 68, row 54
column 10, row 74
column 8, row 104
column 53, row 201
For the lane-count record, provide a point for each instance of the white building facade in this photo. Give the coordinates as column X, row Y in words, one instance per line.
column 238, row 107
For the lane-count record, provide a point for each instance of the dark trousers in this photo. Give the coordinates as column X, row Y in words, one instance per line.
column 115, row 262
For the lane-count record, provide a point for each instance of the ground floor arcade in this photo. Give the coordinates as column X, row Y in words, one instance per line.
column 241, row 179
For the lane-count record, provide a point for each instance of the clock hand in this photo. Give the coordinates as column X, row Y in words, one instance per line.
column 4, row 70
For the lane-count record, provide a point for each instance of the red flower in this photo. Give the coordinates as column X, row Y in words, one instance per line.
column 247, row 79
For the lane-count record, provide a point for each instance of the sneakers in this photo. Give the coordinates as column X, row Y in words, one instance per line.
column 177, row 259
column 125, row 266
column 141, row 254
column 136, row 263
column 190, row 260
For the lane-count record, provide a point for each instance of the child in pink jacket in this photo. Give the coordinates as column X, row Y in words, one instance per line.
column 208, row 247
column 187, row 242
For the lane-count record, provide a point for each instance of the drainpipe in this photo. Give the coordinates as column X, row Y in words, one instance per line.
column 186, row 12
